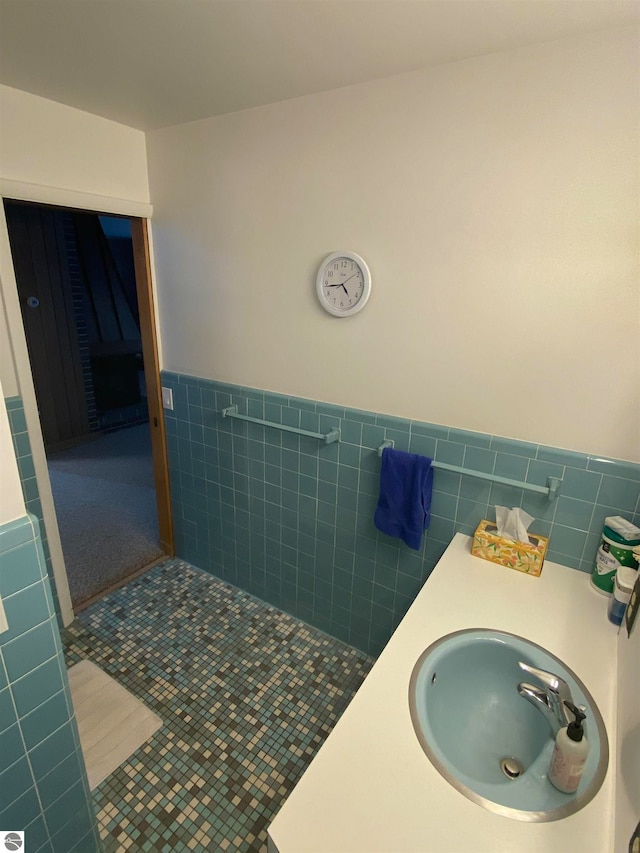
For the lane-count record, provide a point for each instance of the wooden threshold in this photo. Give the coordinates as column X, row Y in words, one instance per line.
column 78, row 608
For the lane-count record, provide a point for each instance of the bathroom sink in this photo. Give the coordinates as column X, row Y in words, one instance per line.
column 485, row 738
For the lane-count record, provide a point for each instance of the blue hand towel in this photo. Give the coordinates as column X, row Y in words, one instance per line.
column 404, row 504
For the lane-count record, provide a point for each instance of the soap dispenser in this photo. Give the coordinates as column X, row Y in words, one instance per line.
column 569, row 754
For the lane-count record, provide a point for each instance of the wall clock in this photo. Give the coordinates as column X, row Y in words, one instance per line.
column 343, row 284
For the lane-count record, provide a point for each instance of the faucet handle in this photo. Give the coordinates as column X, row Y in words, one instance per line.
column 551, row 681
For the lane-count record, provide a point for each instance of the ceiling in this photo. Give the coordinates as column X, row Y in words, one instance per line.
column 153, row 63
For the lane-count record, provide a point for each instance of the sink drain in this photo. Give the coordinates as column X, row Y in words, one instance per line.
column 511, row 767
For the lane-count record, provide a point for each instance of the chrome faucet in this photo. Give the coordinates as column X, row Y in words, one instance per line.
column 548, row 699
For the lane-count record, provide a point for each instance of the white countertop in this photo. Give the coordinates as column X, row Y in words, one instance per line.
column 371, row 788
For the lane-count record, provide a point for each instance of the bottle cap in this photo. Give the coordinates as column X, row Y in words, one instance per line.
column 574, row 729
column 626, row 577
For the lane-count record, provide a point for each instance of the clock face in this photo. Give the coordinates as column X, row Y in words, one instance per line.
column 343, row 284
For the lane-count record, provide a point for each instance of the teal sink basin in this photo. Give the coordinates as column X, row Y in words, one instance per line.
column 485, row 738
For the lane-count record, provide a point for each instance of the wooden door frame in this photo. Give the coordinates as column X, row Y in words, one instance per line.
column 139, row 214
column 148, row 331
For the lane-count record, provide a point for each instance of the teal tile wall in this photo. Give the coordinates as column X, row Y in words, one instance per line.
column 27, row 471
column 290, row 519
column 43, row 783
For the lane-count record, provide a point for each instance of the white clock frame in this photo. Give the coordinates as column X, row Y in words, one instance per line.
column 366, row 283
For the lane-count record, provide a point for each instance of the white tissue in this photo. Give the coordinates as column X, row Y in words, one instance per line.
column 513, row 523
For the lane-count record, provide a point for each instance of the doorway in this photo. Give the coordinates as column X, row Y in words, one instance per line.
column 84, row 288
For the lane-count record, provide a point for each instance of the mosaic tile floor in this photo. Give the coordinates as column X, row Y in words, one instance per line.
column 247, row 694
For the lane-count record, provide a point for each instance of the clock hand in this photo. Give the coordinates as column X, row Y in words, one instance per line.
column 345, row 281
column 348, row 279
column 342, row 283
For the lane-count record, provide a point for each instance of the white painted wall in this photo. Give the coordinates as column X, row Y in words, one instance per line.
column 496, row 203
column 51, row 144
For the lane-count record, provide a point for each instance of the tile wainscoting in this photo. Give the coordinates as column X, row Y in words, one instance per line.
column 290, row 519
column 43, row 783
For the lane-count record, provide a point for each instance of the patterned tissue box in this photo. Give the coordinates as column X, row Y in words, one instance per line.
column 521, row 556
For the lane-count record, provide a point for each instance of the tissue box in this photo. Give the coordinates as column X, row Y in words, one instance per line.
column 521, row 556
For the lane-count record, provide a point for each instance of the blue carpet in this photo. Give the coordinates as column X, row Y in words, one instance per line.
column 105, row 502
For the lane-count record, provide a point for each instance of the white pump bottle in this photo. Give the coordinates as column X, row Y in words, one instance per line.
column 569, row 754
